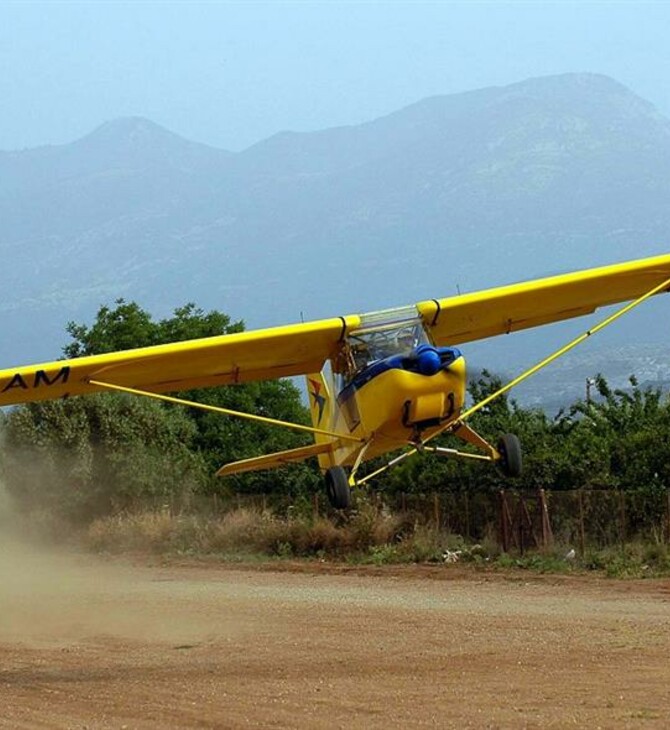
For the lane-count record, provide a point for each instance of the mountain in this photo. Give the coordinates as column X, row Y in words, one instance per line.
column 452, row 193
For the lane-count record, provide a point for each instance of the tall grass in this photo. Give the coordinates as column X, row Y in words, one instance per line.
column 368, row 535
column 244, row 530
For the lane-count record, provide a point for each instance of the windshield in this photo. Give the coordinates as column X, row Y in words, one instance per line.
column 376, row 343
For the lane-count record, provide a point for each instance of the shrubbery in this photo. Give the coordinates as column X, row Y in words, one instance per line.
column 84, row 457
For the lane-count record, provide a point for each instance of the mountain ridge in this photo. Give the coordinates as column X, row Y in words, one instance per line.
column 462, row 191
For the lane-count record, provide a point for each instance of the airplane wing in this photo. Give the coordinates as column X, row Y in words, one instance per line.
column 237, row 358
column 505, row 309
column 304, row 348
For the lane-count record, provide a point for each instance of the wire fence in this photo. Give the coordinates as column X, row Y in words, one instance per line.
column 516, row 520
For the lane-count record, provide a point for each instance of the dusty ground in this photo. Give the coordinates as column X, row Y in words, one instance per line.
column 92, row 643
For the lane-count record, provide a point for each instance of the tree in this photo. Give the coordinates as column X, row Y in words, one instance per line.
column 127, row 326
column 109, row 451
column 219, row 439
column 621, row 440
column 84, row 457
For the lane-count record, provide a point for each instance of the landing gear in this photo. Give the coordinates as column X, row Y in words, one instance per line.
column 509, row 447
column 337, row 488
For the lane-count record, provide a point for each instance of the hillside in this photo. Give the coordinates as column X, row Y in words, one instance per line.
column 453, row 192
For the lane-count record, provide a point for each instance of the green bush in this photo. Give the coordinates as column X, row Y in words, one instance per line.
column 84, row 457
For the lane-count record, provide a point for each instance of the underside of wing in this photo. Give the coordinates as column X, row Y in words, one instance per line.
column 237, row 358
column 529, row 304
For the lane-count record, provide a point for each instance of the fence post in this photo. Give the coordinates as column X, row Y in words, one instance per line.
column 622, row 516
column 582, row 540
column 504, row 522
column 436, row 509
column 467, row 513
column 547, row 535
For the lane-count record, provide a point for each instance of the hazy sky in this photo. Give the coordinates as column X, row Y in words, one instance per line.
column 230, row 74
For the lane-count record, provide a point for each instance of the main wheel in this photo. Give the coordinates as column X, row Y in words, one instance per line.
column 337, row 488
column 509, row 447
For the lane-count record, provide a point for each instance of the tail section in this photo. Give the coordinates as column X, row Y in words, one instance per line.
column 322, row 409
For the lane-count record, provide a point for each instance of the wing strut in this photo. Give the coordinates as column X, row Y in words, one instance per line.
column 224, row 411
column 554, row 356
column 454, row 425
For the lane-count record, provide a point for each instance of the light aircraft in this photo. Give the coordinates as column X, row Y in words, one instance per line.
column 377, row 382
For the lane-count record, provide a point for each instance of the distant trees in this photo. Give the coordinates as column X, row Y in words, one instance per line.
column 620, row 440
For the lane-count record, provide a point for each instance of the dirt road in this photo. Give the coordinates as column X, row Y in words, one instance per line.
column 92, row 643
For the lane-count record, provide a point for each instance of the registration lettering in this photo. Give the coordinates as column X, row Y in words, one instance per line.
column 39, row 379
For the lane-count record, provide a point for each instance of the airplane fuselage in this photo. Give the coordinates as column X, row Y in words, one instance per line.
column 395, row 407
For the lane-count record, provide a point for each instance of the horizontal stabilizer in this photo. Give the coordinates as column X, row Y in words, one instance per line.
column 279, row 458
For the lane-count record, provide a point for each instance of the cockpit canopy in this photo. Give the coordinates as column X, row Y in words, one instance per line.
column 381, row 335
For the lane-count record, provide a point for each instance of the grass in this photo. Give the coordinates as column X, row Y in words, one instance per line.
column 366, row 536
column 632, row 560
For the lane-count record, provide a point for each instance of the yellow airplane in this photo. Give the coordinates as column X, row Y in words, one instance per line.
column 377, row 382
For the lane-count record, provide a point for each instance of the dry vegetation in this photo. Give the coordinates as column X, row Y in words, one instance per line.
column 367, row 534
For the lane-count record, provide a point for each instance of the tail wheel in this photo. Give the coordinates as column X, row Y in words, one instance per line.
column 337, row 488
column 509, row 447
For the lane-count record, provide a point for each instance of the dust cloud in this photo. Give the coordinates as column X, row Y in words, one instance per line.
column 56, row 596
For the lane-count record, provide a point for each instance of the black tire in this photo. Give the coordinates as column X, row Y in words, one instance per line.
column 509, row 447
column 337, row 488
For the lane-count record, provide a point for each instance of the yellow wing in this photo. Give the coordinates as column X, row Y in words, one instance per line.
column 238, row 358
column 304, row 348
column 529, row 304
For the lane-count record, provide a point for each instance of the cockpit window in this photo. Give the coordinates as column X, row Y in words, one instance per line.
column 368, row 346
column 389, row 333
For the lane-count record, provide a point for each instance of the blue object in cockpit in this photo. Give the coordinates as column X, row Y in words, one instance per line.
column 428, row 360
column 425, row 360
